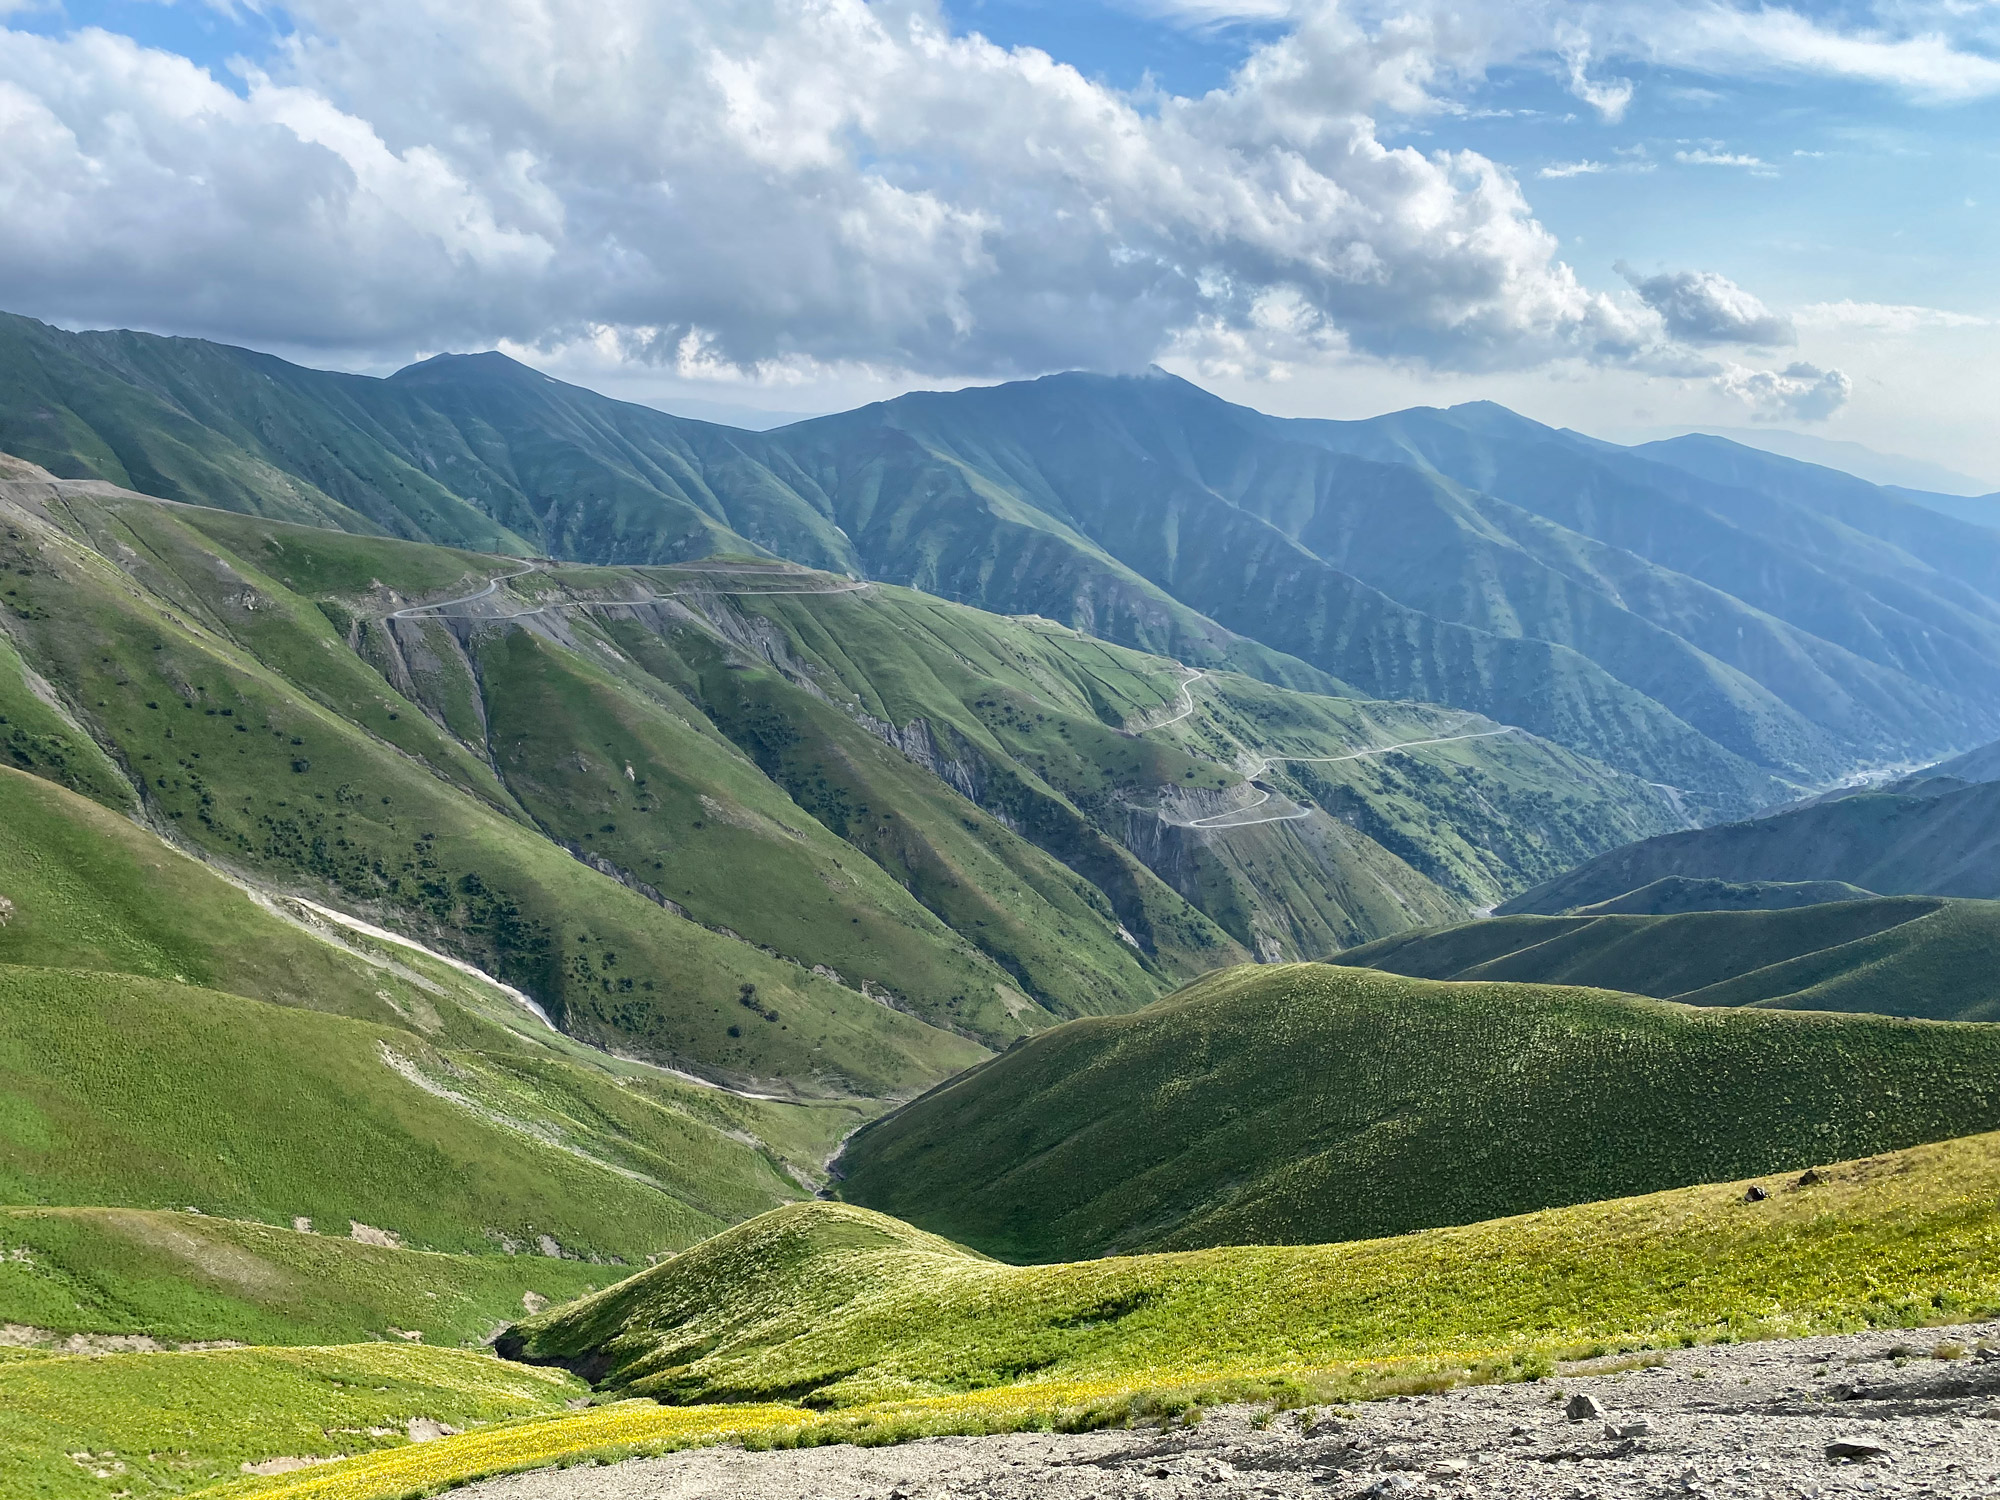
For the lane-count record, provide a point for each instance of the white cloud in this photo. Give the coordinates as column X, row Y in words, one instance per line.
column 765, row 189
column 763, row 185
column 1920, row 56
column 1609, row 97
column 1705, row 307
column 1589, row 168
column 1882, row 317
column 1798, row 393
column 1701, row 156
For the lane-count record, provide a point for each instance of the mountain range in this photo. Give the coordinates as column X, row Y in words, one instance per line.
column 1736, row 626
column 468, row 845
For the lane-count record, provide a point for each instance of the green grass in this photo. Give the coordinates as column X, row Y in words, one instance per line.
column 89, row 890
column 82, row 1428
column 850, row 1327
column 1680, row 893
column 147, row 1093
column 834, row 1305
column 1898, row 955
column 1311, row 1103
column 181, row 1278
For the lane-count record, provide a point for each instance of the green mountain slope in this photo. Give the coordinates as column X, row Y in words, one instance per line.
column 259, row 1111
column 1304, row 1102
column 1674, row 894
column 849, row 796
column 1733, row 624
column 834, row 1304
column 91, row 1278
column 124, row 1061
column 1898, row 956
column 1921, row 841
column 148, row 1425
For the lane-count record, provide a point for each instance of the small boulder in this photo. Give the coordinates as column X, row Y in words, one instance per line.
column 1754, row 1194
column 1583, row 1408
column 1626, row 1431
column 1811, row 1177
column 1854, row 1453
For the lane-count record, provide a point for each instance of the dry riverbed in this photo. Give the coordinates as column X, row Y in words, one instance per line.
column 1866, row 1414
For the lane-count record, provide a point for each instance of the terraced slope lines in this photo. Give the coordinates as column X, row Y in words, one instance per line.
column 1305, row 1102
column 1936, row 839
column 1897, row 956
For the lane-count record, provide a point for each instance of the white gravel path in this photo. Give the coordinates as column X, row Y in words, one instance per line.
column 1742, row 1421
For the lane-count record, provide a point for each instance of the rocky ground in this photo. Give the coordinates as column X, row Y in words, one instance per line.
column 1903, row 1414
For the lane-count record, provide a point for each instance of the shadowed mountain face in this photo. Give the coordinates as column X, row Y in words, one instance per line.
column 1897, row 955
column 1936, row 836
column 1723, row 621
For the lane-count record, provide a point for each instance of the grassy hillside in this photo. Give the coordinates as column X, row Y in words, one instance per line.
column 1897, row 843
column 826, row 1305
column 833, row 1304
column 1897, row 956
column 92, row 896
column 150, row 1425
column 1673, row 894
column 1304, row 1103
column 985, row 822
column 248, row 728
column 153, row 1094
column 99, row 1275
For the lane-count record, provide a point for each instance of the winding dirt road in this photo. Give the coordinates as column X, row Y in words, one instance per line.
column 438, row 610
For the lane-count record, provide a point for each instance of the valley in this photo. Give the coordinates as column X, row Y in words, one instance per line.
column 539, row 931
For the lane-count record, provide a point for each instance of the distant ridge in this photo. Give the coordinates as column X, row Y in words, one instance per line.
column 1680, row 893
column 1733, row 625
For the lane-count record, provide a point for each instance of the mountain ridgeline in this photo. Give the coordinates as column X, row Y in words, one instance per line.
column 1930, row 834
column 1892, row 955
column 1733, row 625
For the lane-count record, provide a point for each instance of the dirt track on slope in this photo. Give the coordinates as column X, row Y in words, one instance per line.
column 1750, row 1420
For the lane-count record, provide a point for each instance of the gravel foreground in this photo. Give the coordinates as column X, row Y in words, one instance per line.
column 1742, row 1420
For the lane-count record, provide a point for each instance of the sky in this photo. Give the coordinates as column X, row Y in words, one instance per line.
column 1628, row 216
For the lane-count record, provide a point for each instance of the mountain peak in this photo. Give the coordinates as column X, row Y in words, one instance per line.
column 489, row 366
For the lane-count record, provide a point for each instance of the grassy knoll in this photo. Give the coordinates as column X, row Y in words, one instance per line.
column 1679, row 893
column 149, row 1425
column 1308, row 1103
column 181, row 1278
column 837, row 1305
column 1893, row 955
column 844, row 1325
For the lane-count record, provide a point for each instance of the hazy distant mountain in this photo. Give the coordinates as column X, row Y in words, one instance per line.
column 1892, row 470
column 1917, row 842
column 1732, row 624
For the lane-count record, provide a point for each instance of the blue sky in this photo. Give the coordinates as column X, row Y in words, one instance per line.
column 1208, row 191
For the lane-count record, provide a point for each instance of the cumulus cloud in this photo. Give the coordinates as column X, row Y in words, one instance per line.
column 1704, row 307
column 1798, row 393
column 769, row 182
column 767, row 187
